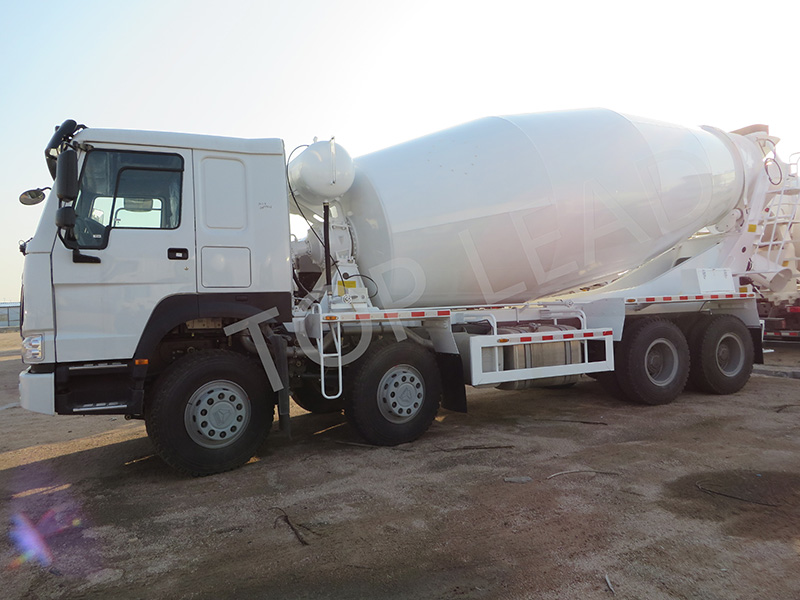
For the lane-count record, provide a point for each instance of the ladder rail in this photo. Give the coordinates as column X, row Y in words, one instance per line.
column 336, row 333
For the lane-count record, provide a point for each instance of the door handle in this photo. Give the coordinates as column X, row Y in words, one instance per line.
column 178, row 254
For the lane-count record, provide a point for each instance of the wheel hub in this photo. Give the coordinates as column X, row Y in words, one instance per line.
column 401, row 393
column 661, row 362
column 217, row 414
column 730, row 355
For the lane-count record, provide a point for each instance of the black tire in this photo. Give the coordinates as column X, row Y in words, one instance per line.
column 393, row 392
column 210, row 411
column 652, row 362
column 722, row 355
column 309, row 397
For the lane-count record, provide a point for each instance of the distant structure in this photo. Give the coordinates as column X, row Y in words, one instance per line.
column 9, row 314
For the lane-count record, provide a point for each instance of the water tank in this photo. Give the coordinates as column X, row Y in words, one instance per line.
column 508, row 209
column 323, row 171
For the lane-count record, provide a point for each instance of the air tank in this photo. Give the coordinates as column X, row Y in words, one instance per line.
column 509, row 209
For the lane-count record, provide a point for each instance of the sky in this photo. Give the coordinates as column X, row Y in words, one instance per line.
column 374, row 73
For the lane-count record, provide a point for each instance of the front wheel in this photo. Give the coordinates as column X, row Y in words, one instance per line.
column 652, row 362
column 210, row 412
column 393, row 392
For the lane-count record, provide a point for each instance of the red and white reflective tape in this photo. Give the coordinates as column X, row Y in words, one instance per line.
column 795, row 335
column 690, row 298
column 574, row 335
column 386, row 316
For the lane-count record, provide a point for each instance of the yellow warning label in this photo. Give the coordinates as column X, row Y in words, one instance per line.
column 751, row 228
column 344, row 286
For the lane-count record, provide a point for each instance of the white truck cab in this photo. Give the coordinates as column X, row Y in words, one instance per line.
column 169, row 229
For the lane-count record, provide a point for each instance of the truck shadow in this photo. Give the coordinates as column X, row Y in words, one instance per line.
column 137, row 458
column 109, row 463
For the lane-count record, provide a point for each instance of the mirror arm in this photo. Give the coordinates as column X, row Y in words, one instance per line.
column 71, row 243
column 79, row 257
column 67, row 237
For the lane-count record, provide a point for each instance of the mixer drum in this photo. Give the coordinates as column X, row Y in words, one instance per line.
column 508, row 209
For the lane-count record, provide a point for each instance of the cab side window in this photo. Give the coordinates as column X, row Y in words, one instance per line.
column 127, row 190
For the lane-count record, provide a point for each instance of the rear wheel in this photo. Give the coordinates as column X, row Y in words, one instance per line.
column 393, row 392
column 722, row 355
column 210, row 411
column 652, row 362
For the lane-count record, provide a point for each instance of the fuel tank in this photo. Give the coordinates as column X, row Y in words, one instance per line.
column 509, row 209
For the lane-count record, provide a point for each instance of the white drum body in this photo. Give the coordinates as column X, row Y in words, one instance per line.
column 510, row 209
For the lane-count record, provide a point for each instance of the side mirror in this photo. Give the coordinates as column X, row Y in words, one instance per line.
column 67, row 176
column 65, row 221
column 32, row 197
column 66, row 217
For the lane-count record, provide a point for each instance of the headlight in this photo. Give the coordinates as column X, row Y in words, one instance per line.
column 32, row 349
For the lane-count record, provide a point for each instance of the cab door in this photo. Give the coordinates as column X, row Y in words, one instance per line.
column 135, row 220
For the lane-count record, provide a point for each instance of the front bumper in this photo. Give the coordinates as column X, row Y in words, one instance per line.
column 37, row 392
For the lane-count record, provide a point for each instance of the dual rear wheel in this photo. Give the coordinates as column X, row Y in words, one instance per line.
column 654, row 360
column 721, row 354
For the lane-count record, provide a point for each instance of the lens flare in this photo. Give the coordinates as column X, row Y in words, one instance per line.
column 30, row 539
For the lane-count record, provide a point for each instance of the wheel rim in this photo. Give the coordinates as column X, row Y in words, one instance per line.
column 401, row 393
column 661, row 362
column 217, row 414
column 730, row 355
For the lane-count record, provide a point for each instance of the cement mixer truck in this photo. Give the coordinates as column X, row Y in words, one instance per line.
column 164, row 283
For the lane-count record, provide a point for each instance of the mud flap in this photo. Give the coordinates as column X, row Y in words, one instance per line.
column 454, row 394
column 278, row 345
column 758, row 346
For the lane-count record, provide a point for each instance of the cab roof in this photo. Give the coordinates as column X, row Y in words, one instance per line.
column 161, row 139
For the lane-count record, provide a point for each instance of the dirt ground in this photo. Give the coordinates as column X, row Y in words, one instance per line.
column 538, row 494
